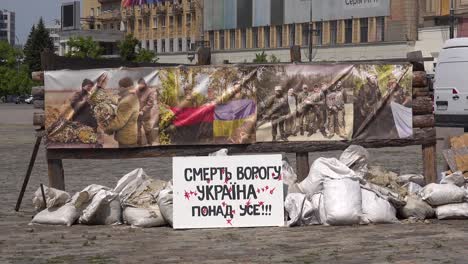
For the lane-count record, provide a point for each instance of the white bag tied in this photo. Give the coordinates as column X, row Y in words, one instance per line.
column 440, row 194
column 452, row 211
column 304, row 210
column 54, row 198
column 342, row 201
column 413, row 188
column 143, row 217
column 376, row 209
column 455, row 178
column 415, row 207
column 324, row 168
column 221, row 152
column 104, row 209
column 356, row 158
column 165, row 202
column 416, row 178
column 289, row 176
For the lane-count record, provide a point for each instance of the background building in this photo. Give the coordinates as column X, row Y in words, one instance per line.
column 54, row 31
column 7, row 26
column 342, row 30
column 168, row 27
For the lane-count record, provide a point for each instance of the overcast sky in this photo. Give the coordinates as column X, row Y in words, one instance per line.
column 28, row 13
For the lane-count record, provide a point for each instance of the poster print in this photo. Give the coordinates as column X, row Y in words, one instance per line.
column 383, row 105
column 207, row 105
column 304, row 103
column 108, row 108
column 229, row 191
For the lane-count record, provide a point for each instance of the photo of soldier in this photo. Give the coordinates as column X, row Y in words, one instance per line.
column 303, row 111
column 147, row 100
column 124, row 125
column 79, row 103
column 276, row 110
column 368, row 97
column 336, row 112
column 291, row 122
column 316, row 115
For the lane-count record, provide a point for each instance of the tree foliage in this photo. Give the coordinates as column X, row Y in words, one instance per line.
column 127, row 48
column 38, row 40
column 14, row 76
column 274, row 59
column 81, row 47
column 261, row 57
column 145, row 55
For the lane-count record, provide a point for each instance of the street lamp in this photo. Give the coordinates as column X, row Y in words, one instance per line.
column 312, row 32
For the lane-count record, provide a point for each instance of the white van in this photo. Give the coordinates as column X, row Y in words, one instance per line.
column 451, row 84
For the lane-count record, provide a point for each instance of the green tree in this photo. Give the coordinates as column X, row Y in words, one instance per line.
column 260, row 57
column 81, row 47
column 145, row 55
column 274, row 59
column 14, row 76
column 38, row 41
column 127, row 48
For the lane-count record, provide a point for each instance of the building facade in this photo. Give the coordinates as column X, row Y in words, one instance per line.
column 54, row 32
column 101, row 20
column 170, row 28
column 340, row 30
column 7, row 27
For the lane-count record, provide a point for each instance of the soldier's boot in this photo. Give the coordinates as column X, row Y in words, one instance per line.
column 274, row 138
column 301, row 131
column 284, row 137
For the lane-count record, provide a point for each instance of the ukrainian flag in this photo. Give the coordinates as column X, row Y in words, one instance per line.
column 231, row 116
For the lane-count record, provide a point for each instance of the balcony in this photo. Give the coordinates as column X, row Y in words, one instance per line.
column 177, row 9
column 161, row 10
column 110, row 15
column 128, row 14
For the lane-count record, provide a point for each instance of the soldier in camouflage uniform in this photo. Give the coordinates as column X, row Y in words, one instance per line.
column 335, row 101
column 316, row 117
column 277, row 110
column 303, row 109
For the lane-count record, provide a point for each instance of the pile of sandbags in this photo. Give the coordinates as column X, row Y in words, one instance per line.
column 449, row 198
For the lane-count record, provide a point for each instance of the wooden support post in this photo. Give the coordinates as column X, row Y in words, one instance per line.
column 302, row 165
column 429, row 162
column 56, row 175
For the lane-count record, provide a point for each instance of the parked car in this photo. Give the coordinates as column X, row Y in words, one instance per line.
column 29, row 100
column 20, row 99
column 450, row 86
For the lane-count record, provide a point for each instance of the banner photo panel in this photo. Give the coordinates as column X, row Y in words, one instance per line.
column 224, row 105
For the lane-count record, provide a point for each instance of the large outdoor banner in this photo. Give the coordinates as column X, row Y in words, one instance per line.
column 235, row 104
column 234, row 191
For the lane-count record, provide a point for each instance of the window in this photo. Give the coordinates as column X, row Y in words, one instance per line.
column 232, row 39
column 255, row 37
column 147, row 23
column 292, row 35
column 179, row 46
column 318, row 32
column 98, row 11
column 155, row 22
column 267, row 37
column 163, row 45
column 188, row 18
column 243, row 38
column 111, row 26
column 364, row 29
column 140, row 24
column 348, row 31
column 171, row 21
column 380, row 32
column 279, row 36
column 333, row 32
column 221, row 40
column 155, row 45
column 104, row 26
column 305, row 34
column 179, row 22
column 189, row 44
column 163, row 21
column 91, row 14
column 171, row 45
column 147, row 45
column 211, row 39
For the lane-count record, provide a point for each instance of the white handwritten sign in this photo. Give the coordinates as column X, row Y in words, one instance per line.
column 230, row 191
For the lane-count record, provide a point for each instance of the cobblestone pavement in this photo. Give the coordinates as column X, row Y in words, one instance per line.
column 440, row 242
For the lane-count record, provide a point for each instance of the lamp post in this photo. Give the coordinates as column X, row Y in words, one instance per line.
column 312, row 32
column 452, row 19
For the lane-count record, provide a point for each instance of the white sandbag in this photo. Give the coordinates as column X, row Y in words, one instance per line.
column 321, row 169
column 143, row 217
column 416, row 178
column 356, row 158
column 456, row 178
column 294, row 188
column 133, row 176
column 304, row 210
column 394, row 198
column 221, row 152
column 288, row 173
column 104, row 209
column 440, row 194
column 416, row 208
column 452, row 211
column 165, row 203
column 54, row 198
column 413, row 188
column 342, row 201
column 376, row 209
column 64, row 215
